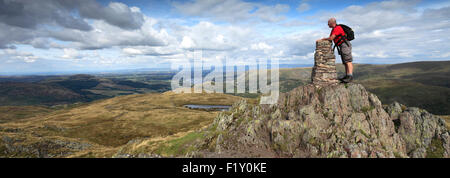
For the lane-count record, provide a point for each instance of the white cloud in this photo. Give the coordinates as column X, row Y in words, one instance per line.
column 132, row 51
column 187, row 43
column 105, row 35
column 303, row 7
column 261, row 46
column 232, row 10
column 18, row 55
column 209, row 36
column 70, row 53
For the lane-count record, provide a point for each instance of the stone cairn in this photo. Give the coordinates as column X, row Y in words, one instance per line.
column 324, row 70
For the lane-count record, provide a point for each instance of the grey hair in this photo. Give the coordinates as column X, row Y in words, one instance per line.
column 332, row 19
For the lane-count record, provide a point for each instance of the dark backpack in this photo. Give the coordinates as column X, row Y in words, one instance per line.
column 348, row 32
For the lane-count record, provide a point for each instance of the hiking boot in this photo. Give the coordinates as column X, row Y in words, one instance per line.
column 342, row 78
column 347, row 79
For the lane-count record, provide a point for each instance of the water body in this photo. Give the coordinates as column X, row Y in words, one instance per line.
column 208, row 107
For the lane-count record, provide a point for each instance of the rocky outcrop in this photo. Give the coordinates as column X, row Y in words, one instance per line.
column 41, row 148
column 331, row 121
column 324, row 70
column 424, row 134
column 325, row 119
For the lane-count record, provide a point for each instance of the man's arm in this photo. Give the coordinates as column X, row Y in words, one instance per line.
column 331, row 38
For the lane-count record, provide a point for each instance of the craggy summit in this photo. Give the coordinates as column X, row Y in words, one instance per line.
column 324, row 119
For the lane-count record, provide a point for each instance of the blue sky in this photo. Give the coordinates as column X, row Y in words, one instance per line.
column 88, row 35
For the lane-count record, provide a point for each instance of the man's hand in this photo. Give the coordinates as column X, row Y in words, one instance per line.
column 323, row 39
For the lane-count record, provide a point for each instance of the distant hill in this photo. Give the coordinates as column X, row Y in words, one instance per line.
column 54, row 90
column 15, row 93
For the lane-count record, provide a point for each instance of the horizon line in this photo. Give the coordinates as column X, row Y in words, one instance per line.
column 167, row 69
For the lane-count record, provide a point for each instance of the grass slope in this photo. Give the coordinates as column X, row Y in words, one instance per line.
column 111, row 123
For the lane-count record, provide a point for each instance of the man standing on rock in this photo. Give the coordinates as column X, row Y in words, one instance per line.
column 344, row 48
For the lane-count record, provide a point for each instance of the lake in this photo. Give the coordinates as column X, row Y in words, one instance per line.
column 208, row 107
